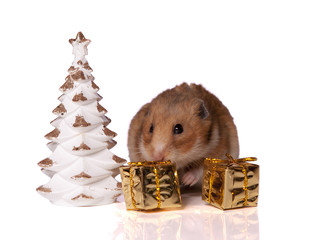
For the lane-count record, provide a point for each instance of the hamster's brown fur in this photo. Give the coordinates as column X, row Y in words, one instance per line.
column 208, row 130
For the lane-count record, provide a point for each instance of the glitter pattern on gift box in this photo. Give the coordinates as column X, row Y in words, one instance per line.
column 150, row 185
column 230, row 183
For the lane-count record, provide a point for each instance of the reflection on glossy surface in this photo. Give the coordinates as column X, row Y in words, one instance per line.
column 197, row 220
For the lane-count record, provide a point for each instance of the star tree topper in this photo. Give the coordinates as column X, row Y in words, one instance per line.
column 79, row 44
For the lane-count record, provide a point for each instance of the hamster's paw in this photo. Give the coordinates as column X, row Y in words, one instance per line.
column 190, row 178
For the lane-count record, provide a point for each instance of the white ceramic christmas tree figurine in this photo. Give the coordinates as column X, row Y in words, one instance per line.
column 81, row 167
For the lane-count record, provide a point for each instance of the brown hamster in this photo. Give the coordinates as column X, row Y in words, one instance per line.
column 184, row 124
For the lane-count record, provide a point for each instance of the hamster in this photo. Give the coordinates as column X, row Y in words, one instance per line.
column 184, row 124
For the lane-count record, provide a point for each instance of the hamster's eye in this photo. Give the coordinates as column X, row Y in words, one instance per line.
column 151, row 128
column 178, row 129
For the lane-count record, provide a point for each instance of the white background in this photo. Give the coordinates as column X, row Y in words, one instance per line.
column 270, row 62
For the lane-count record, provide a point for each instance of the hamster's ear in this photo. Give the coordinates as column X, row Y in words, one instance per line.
column 145, row 110
column 140, row 115
column 200, row 109
column 203, row 112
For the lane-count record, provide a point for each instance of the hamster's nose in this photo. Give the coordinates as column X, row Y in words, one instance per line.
column 158, row 157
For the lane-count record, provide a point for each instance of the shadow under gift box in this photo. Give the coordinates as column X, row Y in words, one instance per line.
column 230, row 183
column 150, row 185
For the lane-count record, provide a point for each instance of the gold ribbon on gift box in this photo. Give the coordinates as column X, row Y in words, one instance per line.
column 230, row 160
column 148, row 163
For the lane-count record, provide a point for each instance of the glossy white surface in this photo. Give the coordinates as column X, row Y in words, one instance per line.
column 196, row 220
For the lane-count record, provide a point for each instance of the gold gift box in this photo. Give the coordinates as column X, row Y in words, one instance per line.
column 150, row 185
column 230, row 183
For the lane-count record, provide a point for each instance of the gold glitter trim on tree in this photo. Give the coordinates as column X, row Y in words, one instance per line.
column 80, row 122
column 47, row 162
column 79, row 97
column 81, row 175
column 81, row 147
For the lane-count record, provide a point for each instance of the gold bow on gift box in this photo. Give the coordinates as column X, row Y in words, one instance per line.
column 150, row 185
column 230, row 183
